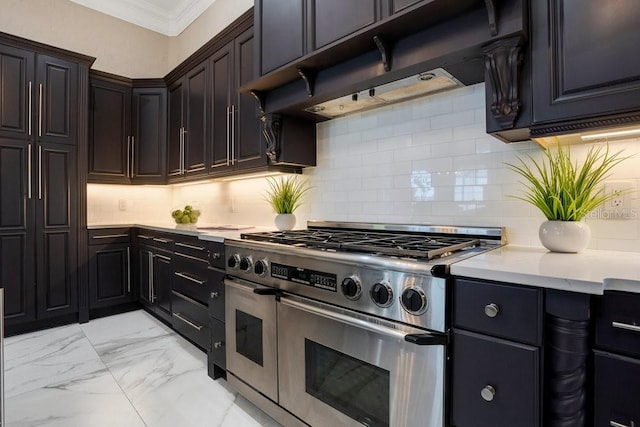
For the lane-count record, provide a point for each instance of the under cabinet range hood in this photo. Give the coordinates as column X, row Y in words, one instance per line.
column 425, row 83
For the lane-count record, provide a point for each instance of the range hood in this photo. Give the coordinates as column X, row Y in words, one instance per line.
column 425, row 83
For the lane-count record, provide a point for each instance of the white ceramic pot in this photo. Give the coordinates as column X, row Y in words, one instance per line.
column 285, row 222
column 564, row 236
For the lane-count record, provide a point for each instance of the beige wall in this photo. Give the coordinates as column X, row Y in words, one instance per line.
column 219, row 15
column 120, row 47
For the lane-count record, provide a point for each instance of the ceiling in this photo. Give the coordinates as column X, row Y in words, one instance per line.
column 168, row 17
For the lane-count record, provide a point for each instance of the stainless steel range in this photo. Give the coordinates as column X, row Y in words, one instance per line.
column 345, row 323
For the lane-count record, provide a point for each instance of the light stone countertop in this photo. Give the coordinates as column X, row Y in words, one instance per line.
column 590, row 271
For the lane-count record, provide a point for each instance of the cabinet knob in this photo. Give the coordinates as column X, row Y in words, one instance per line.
column 217, row 344
column 491, row 310
column 215, row 294
column 488, row 393
column 216, row 255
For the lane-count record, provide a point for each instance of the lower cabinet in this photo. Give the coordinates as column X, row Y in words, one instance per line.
column 217, row 353
column 190, row 319
column 110, row 269
column 155, row 269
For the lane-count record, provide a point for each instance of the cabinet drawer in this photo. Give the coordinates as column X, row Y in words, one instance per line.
column 618, row 322
column 217, row 354
column 192, row 247
column 190, row 319
column 495, row 382
column 505, row 311
column 109, row 235
column 216, row 296
column 191, row 280
column 157, row 240
column 617, row 387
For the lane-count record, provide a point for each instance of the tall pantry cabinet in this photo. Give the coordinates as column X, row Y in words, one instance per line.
column 42, row 199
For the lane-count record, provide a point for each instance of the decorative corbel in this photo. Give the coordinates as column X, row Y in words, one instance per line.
column 259, row 96
column 309, row 77
column 385, row 52
column 491, row 12
column 502, row 60
column 271, row 125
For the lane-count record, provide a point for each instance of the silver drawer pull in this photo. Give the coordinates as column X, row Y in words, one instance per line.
column 626, row 326
column 491, row 310
column 217, row 344
column 110, row 236
column 216, row 255
column 144, row 236
column 488, row 393
column 189, row 278
column 615, row 424
column 187, row 321
column 162, row 257
column 191, row 257
column 158, row 239
column 184, row 245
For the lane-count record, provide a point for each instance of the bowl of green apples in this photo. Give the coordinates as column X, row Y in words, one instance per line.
column 186, row 217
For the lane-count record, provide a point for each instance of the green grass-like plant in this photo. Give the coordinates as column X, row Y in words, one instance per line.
column 285, row 193
column 564, row 190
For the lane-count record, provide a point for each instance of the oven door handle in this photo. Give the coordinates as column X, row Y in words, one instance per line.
column 267, row 291
column 422, row 338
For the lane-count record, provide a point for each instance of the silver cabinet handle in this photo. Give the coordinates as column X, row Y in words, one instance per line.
column 40, row 172
column 110, row 236
column 491, row 310
column 191, row 257
column 30, row 113
column 215, row 295
column 228, row 135
column 615, row 424
column 217, row 344
column 128, row 157
column 144, row 236
column 151, row 296
column 488, row 393
column 162, row 257
column 185, row 245
column 189, row 278
column 181, row 166
column 233, row 135
column 161, row 240
column 187, row 321
column 626, row 326
column 29, row 169
column 128, row 269
column 133, row 152
column 216, row 255
column 40, row 110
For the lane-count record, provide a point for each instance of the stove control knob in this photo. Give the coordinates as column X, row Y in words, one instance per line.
column 246, row 263
column 351, row 288
column 382, row 294
column 414, row 300
column 234, row 261
column 261, row 267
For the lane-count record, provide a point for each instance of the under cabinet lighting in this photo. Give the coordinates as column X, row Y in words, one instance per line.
column 251, row 175
column 612, row 134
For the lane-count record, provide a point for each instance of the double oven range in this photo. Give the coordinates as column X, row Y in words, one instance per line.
column 345, row 323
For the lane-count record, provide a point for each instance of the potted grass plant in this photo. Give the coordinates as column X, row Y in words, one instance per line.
column 284, row 194
column 565, row 192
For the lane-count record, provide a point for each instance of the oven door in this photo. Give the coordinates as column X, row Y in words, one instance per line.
column 250, row 331
column 344, row 368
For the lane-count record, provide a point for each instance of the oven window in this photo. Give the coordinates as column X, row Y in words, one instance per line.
column 351, row 386
column 249, row 336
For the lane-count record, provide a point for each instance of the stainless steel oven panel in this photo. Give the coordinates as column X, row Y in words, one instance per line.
column 240, row 297
column 343, row 265
column 416, row 373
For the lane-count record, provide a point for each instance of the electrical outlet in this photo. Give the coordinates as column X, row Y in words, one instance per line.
column 122, row 205
column 621, row 190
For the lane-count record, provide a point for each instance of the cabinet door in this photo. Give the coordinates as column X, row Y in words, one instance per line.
column 109, row 275
column 174, row 131
column 57, row 99
column 583, row 57
column 495, row 382
column 281, row 25
column 222, row 68
column 149, row 142
column 398, row 5
column 162, row 273
column 249, row 147
column 334, row 19
column 16, row 232
column 16, row 92
column 56, row 230
column 616, row 387
column 145, row 268
column 196, row 119
column 109, row 132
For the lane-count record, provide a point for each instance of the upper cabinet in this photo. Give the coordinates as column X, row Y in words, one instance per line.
column 17, row 74
column 127, row 130
column 282, row 28
column 334, row 19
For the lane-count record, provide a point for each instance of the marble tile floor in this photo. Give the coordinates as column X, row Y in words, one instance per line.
column 128, row 370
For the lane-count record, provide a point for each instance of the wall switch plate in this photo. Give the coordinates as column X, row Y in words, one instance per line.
column 122, row 205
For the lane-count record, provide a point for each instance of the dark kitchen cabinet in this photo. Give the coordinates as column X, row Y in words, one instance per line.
column 399, row 5
column 155, row 269
column 222, row 66
column 216, row 357
column 617, row 359
column 497, row 355
column 17, row 103
column 127, row 131
column 109, row 131
column 583, row 59
column 332, row 20
column 282, row 29
column 189, row 100
column 110, row 268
